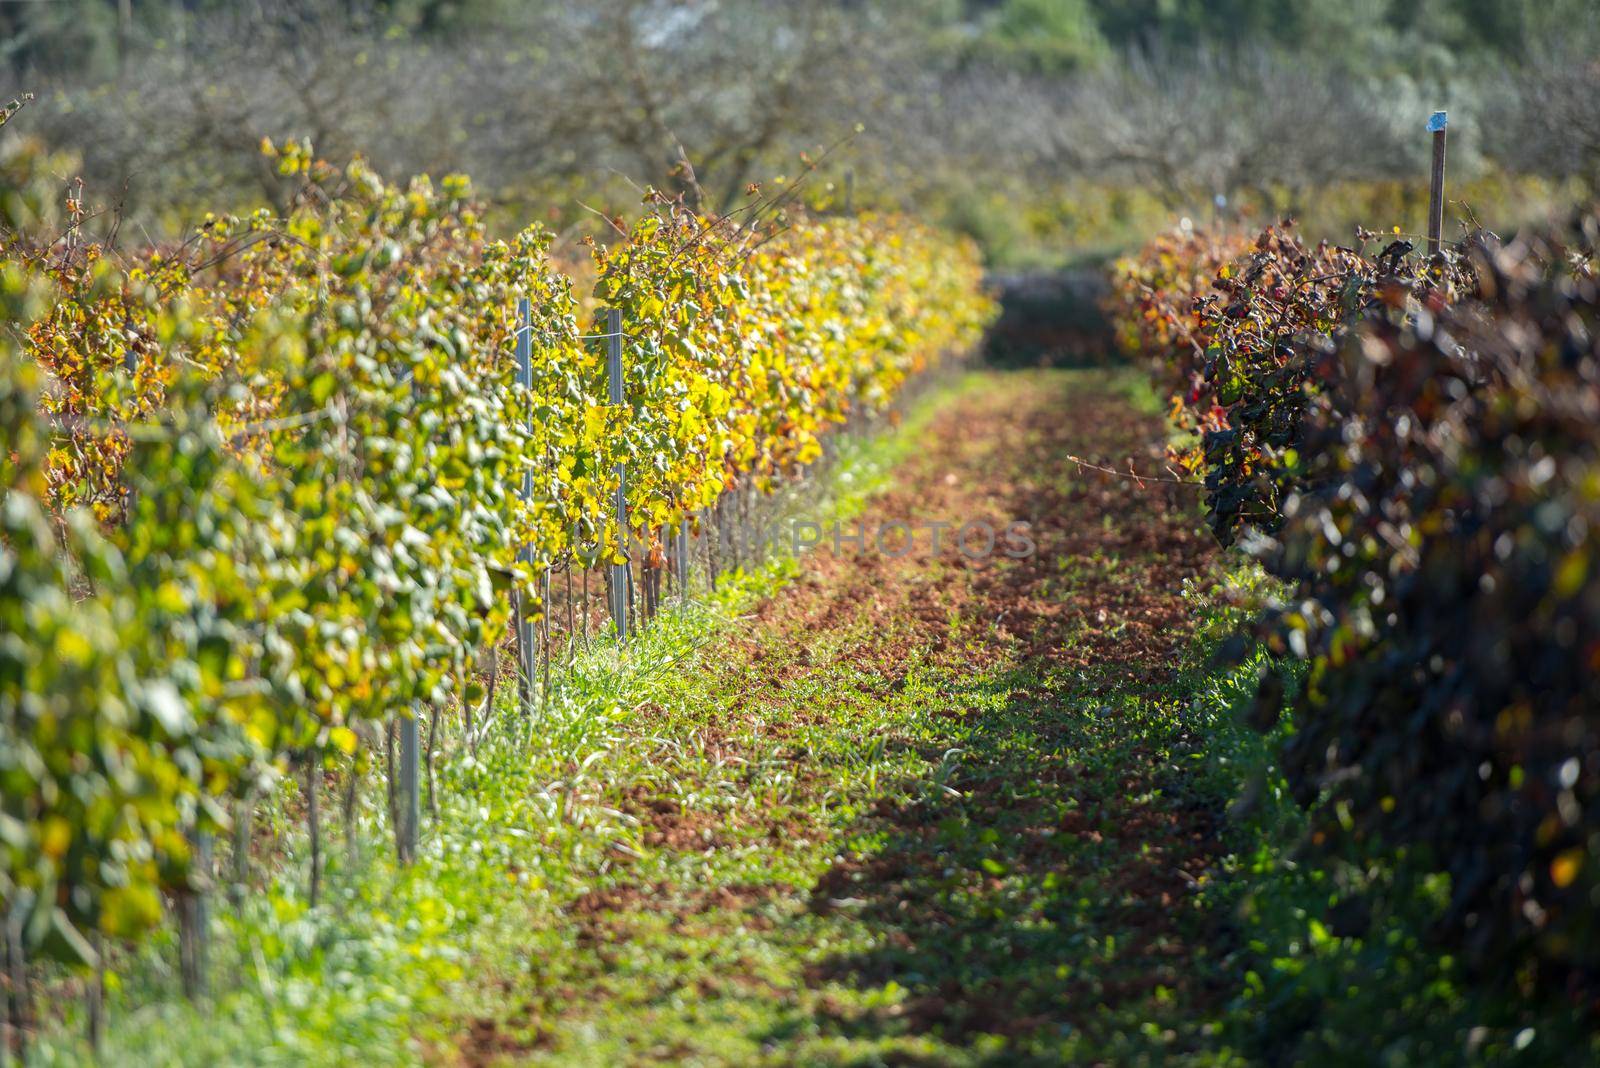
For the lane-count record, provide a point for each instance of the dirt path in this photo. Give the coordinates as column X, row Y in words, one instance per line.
column 925, row 809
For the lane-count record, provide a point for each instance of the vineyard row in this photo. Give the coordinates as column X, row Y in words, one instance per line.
column 1411, row 443
column 278, row 487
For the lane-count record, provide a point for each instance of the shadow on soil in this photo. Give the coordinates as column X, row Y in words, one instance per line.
column 1044, row 887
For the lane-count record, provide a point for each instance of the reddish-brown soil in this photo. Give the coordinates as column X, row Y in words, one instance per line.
column 1050, row 882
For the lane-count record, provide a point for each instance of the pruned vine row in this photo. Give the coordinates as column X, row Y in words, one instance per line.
column 1413, row 444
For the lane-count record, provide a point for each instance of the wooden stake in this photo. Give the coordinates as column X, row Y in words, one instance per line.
column 19, row 1009
column 391, row 780
column 348, row 816
column 194, row 920
column 96, row 995
column 544, row 619
column 572, row 628
column 683, row 561
column 410, row 789
column 1436, row 126
column 243, row 819
column 427, row 761
column 314, row 828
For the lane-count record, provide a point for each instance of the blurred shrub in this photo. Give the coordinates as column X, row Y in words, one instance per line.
column 1414, row 446
column 1446, row 566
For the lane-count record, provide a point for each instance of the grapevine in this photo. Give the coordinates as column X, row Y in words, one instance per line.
column 267, row 493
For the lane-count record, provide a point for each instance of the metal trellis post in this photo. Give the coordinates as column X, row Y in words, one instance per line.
column 619, row 572
column 526, row 656
column 683, row 561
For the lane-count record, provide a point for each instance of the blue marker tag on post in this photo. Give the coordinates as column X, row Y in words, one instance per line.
column 1437, row 122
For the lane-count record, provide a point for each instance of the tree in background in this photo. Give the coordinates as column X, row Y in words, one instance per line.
column 1003, row 117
